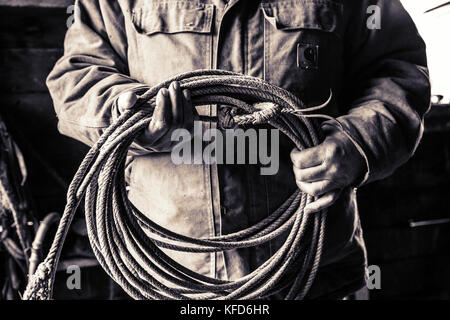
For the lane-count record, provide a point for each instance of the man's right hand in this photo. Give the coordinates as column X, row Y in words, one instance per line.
column 173, row 110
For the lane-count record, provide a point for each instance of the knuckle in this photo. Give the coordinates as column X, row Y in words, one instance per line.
column 331, row 146
column 159, row 126
column 331, row 151
column 303, row 187
column 175, row 85
column 319, row 189
column 329, row 157
column 298, row 174
column 164, row 95
column 333, row 199
column 126, row 100
column 330, row 197
column 333, row 169
column 307, row 188
column 294, row 159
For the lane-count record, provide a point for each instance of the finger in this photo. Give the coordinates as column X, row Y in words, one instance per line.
column 188, row 110
column 316, row 189
column 323, row 202
column 312, row 174
column 126, row 101
column 176, row 99
column 162, row 116
column 307, row 158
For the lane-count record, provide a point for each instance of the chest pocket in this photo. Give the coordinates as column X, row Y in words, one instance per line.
column 171, row 37
column 302, row 46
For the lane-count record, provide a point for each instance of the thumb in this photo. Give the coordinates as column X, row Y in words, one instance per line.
column 126, row 101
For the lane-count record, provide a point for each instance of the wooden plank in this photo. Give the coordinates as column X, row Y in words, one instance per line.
column 32, row 27
column 394, row 209
column 385, row 245
column 415, row 191
column 427, row 168
column 427, row 277
column 25, row 70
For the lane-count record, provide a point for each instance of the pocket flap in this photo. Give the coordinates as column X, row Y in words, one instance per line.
column 173, row 17
column 304, row 14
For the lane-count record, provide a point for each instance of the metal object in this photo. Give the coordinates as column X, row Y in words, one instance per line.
column 416, row 224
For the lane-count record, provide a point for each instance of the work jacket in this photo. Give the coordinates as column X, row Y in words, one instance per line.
column 367, row 53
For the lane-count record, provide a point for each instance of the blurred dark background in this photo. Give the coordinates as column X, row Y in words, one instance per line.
column 414, row 261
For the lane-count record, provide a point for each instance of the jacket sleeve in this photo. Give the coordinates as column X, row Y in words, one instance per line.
column 86, row 81
column 387, row 90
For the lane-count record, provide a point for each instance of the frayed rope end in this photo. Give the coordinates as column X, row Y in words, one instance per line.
column 39, row 284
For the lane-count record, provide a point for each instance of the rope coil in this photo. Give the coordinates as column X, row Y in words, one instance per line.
column 128, row 245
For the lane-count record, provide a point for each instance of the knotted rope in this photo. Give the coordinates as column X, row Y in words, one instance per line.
column 127, row 243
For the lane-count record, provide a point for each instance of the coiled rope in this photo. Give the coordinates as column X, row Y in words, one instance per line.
column 128, row 245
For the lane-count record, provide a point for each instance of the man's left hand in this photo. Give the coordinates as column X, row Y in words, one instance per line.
column 325, row 170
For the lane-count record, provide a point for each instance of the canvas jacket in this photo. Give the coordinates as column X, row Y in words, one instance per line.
column 376, row 72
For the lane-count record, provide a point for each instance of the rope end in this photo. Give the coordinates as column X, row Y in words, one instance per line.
column 39, row 285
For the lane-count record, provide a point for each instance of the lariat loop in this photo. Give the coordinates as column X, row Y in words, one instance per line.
column 130, row 246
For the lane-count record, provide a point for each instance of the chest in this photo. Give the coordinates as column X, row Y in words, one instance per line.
column 294, row 44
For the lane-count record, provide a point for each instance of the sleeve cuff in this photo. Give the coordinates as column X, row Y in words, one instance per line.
column 334, row 127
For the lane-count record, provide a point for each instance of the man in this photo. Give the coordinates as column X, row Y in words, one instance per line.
column 376, row 72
